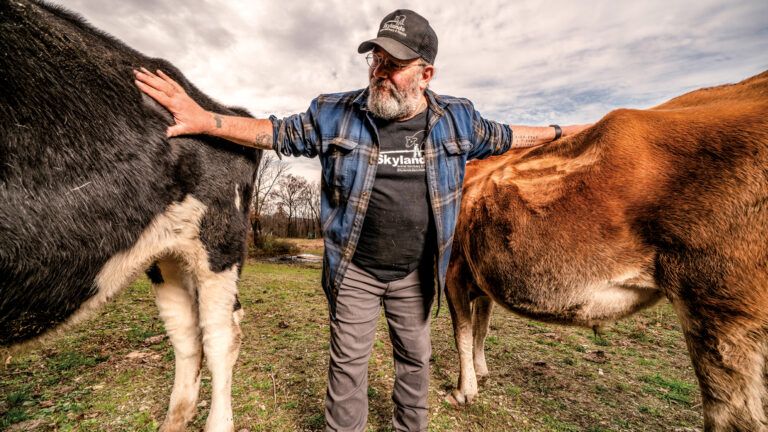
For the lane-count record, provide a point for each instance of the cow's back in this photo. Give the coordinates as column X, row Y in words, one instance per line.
column 85, row 166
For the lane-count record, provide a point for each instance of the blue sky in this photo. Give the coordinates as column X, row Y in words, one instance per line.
column 521, row 62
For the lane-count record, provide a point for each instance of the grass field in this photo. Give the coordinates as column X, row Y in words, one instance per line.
column 114, row 372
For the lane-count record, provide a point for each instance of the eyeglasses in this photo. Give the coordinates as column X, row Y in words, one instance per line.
column 383, row 64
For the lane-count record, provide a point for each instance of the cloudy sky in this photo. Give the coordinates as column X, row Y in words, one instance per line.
column 521, row 62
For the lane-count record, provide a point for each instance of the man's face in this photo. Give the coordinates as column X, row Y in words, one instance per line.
column 396, row 86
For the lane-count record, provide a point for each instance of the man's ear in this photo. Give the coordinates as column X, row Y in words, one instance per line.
column 426, row 75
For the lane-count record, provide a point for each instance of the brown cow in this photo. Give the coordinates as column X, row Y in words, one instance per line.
column 666, row 202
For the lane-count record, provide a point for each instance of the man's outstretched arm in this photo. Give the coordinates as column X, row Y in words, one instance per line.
column 191, row 118
column 529, row 136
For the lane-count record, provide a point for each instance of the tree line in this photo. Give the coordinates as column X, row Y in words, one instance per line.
column 283, row 205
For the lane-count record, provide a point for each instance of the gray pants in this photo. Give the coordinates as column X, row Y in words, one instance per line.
column 352, row 335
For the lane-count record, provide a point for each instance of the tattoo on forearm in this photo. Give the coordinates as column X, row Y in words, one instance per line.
column 218, row 120
column 263, row 140
column 524, row 140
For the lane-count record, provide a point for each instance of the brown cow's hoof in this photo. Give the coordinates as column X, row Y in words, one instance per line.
column 481, row 368
column 452, row 401
column 172, row 426
column 458, row 399
column 178, row 416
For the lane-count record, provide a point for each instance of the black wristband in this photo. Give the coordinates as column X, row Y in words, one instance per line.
column 558, row 131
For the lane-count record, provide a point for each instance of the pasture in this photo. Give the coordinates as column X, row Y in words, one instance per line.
column 114, row 372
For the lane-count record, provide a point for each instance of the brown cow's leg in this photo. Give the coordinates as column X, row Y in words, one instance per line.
column 481, row 320
column 178, row 309
column 221, row 341
column 457, row 296
column 729, row 363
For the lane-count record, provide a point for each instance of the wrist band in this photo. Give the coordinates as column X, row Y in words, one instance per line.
column 558, row 131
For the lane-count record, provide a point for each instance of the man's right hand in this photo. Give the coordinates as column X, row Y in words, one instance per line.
column 190, row 117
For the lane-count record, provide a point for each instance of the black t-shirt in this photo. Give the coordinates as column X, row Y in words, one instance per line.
column 398, row 224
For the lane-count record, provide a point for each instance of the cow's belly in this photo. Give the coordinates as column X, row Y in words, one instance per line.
column 569, row 299
column 574, row 266
column 174, row 232
column 578, row 303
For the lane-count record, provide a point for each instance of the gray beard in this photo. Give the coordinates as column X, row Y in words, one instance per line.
column 394, row 104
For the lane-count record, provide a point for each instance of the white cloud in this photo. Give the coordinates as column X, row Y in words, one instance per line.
column 520, row 62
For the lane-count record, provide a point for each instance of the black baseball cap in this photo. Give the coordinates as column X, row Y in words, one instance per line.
column 405, row 35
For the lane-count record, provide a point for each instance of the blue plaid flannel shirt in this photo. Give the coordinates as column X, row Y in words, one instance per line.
column 339, row 128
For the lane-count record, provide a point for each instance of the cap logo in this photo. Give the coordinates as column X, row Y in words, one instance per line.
column 396, row 25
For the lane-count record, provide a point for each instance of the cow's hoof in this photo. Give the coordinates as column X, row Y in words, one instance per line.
column 178, row 416
column 458, row 399
column 219, row 426
column 451, row 400
column 481, row 371
column 172, row 426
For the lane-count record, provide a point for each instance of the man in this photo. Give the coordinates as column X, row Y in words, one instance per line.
column 392, row 159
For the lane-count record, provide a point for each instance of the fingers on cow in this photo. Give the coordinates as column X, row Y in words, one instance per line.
column 174, row 85
column 161, row 87
column 189, row 116
column 152, row 85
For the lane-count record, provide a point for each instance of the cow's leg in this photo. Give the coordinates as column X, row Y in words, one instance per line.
column 481, row 320
column 729, row 360
column 220, row 325
column 178, row 309
column 457, row 296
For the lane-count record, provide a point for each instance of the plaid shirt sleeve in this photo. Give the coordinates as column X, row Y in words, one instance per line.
column 297, row 135
column 490, row 138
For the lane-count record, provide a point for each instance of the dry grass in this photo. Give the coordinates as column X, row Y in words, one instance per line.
column 113, row 374
column 310, row 246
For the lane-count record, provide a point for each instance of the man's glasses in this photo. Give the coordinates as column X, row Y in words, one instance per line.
column 383, row 64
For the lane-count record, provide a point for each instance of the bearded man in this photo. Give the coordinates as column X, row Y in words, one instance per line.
column 392, row 159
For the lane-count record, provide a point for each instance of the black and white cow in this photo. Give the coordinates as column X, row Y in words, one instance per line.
column 92, row 194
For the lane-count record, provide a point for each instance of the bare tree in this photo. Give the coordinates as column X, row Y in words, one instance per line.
column 271, row 169
column 290, row 194
column 312, row 198
column 306, row 210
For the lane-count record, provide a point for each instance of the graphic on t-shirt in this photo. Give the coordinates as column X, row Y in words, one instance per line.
column 409, row 160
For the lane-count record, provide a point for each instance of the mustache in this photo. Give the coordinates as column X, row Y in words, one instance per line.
column 381, row 83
